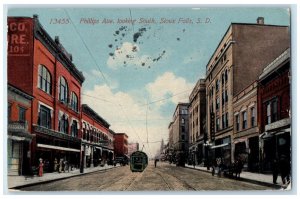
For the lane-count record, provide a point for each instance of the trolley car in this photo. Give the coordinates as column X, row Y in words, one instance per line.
column 138, row 161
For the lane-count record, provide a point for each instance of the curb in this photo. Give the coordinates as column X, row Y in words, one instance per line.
column 56, row 179
column 276, row 186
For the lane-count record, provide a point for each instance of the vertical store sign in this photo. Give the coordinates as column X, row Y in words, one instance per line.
column 19, row 37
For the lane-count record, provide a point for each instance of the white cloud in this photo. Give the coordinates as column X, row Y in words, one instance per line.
column 169, row 85
column 128, row 54
column 125, row 112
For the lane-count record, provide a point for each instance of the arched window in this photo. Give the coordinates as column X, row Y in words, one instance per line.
column 64, row 124
column 44, row 79
column 63, row 90
column 74, row 130
column 74, row 102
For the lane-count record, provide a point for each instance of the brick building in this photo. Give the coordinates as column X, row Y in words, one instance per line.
column 237, row 62
column 274, row 117
column 121, row 144
column 180, row 133
column 132, row 147
column 97, row 141
column 245, row 138
column 197, row 114
column 19, row 128
column 41, row 67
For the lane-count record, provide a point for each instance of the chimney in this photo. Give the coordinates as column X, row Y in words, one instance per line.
column 56, row 39
column 260, row 20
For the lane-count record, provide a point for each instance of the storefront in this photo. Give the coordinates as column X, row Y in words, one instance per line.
column 18, row 150
column 54, row 146
column 222, row 150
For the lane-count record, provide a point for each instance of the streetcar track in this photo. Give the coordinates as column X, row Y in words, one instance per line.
column 164, row 180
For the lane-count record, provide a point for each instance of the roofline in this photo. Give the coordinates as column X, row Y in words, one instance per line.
column 231, row 24
column 95, row 115
column 19, row 91
column 41, row 34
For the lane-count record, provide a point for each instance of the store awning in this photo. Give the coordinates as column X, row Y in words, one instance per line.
column 221, row 145
column 57, row 148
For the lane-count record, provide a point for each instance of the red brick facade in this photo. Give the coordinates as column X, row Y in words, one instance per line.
column 120, row 144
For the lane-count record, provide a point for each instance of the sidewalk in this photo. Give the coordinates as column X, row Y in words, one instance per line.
column 22, row 181
column 257, row 178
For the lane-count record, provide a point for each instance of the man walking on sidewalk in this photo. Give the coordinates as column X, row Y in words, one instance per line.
column 275, row 169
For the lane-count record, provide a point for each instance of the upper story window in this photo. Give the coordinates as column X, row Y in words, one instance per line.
column 244, row 119
column 252, row 116
column 84, row 131
column 272, row 112
column 63, row 90
column 74, row 102
column 44, row 79
column 22, row 112
column 217, row 103
column 74, row 130
column 226, row 75
column 44, row 117
column 217, row 84
column 237, row 122
column 64, row 124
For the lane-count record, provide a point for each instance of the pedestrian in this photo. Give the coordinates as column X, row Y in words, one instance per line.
column 284, row 167
column 55, row 165
column 66, row 166
column 60, row 165
column 155, row 162
column 275, row 170
column 41, row 165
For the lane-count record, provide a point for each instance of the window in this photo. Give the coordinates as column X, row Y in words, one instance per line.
column 182, row 137
column 223, row 79
column 244, row 119
column 74, row 102
column 226, row 96
column 223, row 98
column 226, row 120
column 84, row 132
column 64, row 124
column 217, row 103
column 217, row 85
column 272, row 112
column 182, row 129
column 63, row 90
column 44, row 119
column 226, row 75
column 237, row 122
column 223, row 121
column 22, row 112
column 44, row 79
column 74, row 130
column 252, row 116
column 182, row 121
column 218, row 124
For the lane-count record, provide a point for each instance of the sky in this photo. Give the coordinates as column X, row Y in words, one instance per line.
column 136, row 73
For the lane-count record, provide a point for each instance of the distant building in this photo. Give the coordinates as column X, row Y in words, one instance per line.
column 121, row 144
column 197, row 114
column 132, row 147
column 180, row 129
column 236, row 63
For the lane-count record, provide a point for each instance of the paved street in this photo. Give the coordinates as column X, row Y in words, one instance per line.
column 164, row 177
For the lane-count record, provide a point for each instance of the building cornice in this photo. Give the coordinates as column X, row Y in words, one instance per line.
column 57, row 51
